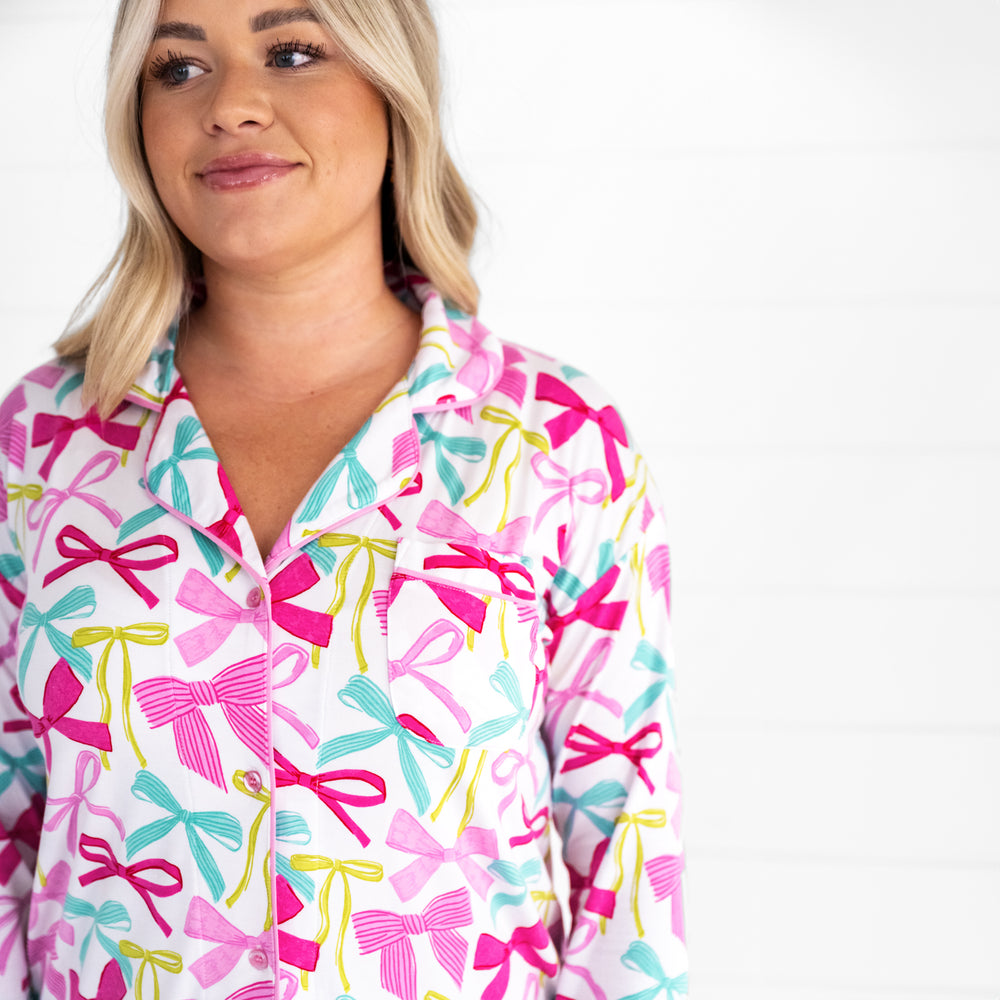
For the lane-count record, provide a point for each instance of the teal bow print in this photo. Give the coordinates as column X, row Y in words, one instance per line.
column 605, row 794
column 469, row 448
column 648, row 657
column 291, row 828
column 435, row 373
column 221, row 827
column 11, row 567
column 504, row 681
column 641, row 958
column 31, row 768
column 188, row 430
column 80, row 602
column 110, row 915
column 73, row 382
column 362, row 693
column 516, row 875
column 361, row 490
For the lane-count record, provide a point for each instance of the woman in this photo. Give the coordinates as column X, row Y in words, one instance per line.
column 324, row 605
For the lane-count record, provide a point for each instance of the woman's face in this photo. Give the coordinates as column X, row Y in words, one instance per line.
column 267, row 149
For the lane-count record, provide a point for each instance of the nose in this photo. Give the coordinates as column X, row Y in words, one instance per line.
column 238, row 101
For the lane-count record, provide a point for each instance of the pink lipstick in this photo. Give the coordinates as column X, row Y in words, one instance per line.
column 244, row 170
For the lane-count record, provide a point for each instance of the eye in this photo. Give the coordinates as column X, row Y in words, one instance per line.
column 294, row 55
column 173, row 70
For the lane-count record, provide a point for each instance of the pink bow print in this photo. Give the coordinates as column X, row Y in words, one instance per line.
column 593, row 747
column 58, row 430
column 42, row 510
column 482, row 368
column 492, row 953
column 88, row 772
column 206, row 924
column 389, row 933
column 13, row 434
column 554, row 477
column 440, row 521
column 406, row 834
column 563, row 427
column 110, row 987
column 55, row 889
column 62, row 691
column 658, row 568
column 198, row 593
column 239, row 690
column 665, row 875
column 88, row 551
column 411, row 659
column 582, row 685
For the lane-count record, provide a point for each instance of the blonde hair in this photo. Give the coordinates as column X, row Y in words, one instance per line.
column 429, row 219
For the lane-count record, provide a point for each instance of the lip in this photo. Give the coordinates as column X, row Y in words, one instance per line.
column 244, row 170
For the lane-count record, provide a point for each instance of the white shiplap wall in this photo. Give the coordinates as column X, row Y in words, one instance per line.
column 771, row 227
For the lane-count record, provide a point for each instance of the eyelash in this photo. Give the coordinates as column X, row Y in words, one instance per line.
column 162, row 66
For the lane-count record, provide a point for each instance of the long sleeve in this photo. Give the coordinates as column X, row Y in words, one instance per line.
column 610, row 730
column 22, row 780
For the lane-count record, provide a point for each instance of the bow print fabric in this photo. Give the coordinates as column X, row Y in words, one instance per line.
column 459, row 643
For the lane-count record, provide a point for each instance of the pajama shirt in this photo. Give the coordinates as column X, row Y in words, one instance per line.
column 338, row 771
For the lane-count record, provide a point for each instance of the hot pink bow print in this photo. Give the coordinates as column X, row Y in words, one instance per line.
column 593, row 747
column 589, row 608
column 110, row 987
column 87, row 551
column 27, row 829
column 224, row 529
column 474, row 558
column 291, row 949
column 406, row 834
column 240, row 691
column 62, row 691
column 563, row 427
column 492, row 953
column 287, row 774
column 99, row 851
column 58, row 430
column 389, row 933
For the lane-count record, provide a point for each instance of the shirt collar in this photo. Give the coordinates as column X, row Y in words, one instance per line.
column 458, row 362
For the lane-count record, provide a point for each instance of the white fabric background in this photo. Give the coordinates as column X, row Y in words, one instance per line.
column 770, row 227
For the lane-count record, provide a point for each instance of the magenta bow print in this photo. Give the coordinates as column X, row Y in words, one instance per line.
column 56, row 430
column 111, row 985
column 527, row 942
column 577, row 412
column 294, row 950
column 389, row 933
column 593, row 747
column 108, row 866
column 286, row 774
column 62, row 691
column 26, row 830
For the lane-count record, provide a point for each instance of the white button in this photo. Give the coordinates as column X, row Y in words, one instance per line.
column 258, row 958
column 253, row 598
column 252, row 780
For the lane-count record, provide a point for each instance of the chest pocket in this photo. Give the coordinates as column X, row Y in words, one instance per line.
column 462, row 632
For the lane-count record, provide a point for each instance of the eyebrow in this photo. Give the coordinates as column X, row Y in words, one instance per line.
column 264, row 21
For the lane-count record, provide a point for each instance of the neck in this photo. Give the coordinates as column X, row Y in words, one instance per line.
column 294, row 333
